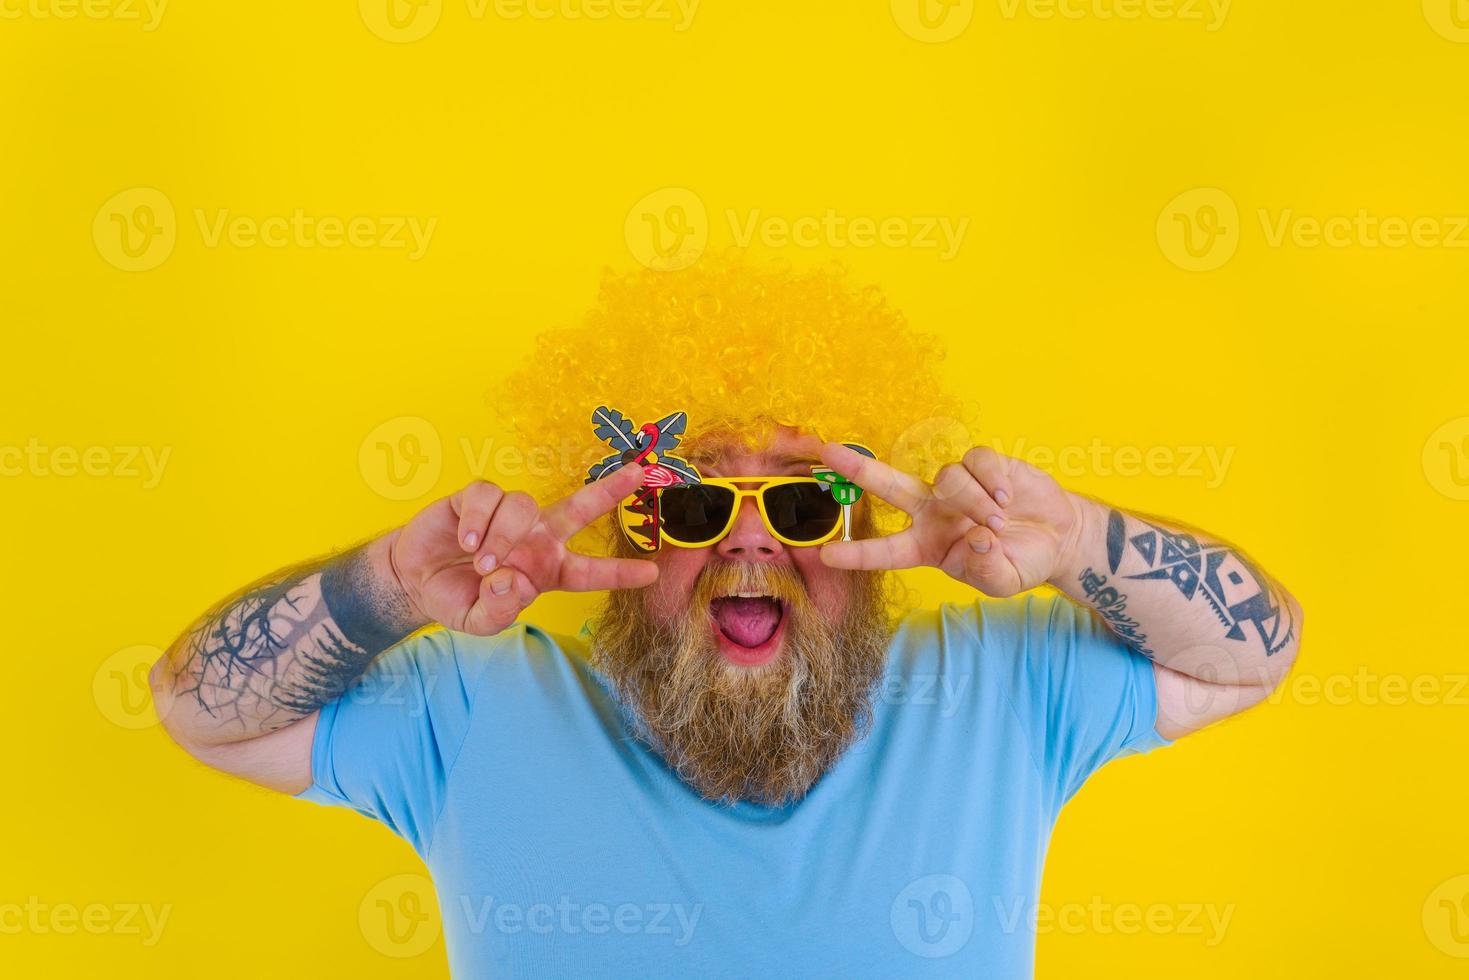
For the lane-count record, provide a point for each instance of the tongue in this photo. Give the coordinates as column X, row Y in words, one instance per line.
column 748, row 622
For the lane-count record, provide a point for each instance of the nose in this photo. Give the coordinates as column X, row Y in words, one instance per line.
column 749, row 539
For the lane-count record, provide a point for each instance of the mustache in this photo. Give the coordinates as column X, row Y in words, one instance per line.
column 725, row 578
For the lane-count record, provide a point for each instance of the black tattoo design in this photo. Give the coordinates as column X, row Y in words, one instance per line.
column 1243, row 599
column 1112, row 607
column 286, row 647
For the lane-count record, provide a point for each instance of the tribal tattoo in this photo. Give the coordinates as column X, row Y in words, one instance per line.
column 1245, row 602
column 1112, row 607
column 284, row 648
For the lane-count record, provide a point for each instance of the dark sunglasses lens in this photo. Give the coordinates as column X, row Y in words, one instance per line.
column 692, row 513
column 802, row 511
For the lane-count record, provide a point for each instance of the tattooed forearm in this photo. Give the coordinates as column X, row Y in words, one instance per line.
column 285, row 647
column 1191, row 603
column 1246, row 603
column 1111, row 605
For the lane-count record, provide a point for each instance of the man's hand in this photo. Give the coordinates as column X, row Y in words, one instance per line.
column 474, row 560
column 993, row 522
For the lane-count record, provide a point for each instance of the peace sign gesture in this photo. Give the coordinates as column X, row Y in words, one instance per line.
column 991, row 521
column 472, row 561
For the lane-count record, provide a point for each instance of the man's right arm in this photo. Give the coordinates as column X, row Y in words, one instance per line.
column 241, row 688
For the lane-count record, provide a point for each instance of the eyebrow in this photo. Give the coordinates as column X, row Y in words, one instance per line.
column 782, row 462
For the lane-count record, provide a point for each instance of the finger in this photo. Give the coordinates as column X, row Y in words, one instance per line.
column 570, row 514
column 902, row 490
column 958, row 488
column 988, row 467
column 513, row 518
column 584, row 573
column 892, row 552
column 503, row 594
column 474, row 505
column 985, row 564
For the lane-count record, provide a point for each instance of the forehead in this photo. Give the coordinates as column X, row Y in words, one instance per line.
column 786, row 452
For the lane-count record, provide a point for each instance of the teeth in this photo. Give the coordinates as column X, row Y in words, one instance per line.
column 746, row 595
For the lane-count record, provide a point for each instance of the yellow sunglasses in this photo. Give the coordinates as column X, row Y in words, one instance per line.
column 800, row 511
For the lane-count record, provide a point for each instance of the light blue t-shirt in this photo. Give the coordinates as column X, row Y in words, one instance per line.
column 561, row 846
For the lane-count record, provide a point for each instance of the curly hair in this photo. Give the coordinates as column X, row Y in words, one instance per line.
column 742, row 347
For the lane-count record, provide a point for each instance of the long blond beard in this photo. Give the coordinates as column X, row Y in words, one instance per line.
column 764, row 734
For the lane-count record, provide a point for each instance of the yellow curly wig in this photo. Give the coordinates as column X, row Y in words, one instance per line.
column 741, row 347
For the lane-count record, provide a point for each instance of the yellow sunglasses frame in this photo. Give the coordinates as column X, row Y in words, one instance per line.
column 741, row 488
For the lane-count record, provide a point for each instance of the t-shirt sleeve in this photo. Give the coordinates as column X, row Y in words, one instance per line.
column 385, row 748
column 1085, row 697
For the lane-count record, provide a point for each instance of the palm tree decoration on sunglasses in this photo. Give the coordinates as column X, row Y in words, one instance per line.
column 652, row 445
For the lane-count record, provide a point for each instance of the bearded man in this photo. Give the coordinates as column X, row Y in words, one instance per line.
column 753, row 761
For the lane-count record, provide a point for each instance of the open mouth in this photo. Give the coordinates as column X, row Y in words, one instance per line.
column 748, row 625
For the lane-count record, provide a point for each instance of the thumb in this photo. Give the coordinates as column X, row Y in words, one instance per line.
column 502, row 595
column 986, row 567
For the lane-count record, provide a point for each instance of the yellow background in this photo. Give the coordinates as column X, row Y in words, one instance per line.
column 1332, row 826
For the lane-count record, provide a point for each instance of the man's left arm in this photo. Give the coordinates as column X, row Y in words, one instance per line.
column 1220, row 632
